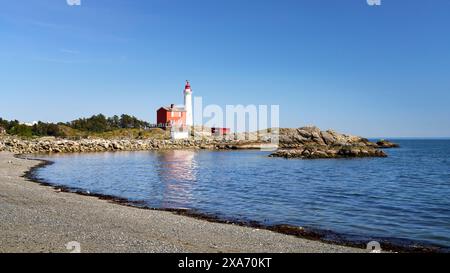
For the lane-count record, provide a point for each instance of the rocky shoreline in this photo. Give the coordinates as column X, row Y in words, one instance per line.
column 305, row 142
column 53, row 145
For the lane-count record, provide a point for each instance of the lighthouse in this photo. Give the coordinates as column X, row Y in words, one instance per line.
column 188, row 104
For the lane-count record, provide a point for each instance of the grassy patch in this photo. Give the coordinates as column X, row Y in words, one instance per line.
column 154, row 133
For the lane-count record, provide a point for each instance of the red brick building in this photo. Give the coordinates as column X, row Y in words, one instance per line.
column 170, row 116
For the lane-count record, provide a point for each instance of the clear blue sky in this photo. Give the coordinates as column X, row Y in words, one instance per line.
column 372, row 71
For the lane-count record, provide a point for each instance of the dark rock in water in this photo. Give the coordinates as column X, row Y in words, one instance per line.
column 386, row 144
column 329, row 152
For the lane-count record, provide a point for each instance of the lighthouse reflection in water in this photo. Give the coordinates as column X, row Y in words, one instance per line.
column 164, row 179
column 177, row 171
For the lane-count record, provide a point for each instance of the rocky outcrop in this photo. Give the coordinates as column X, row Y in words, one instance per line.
column 297, row 138
column 311, row 143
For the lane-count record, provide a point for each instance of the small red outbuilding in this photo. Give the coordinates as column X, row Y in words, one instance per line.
column 220, row 131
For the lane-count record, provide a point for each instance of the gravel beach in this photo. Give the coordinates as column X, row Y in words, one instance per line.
column 36, row 218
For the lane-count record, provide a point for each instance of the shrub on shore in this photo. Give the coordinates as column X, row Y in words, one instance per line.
column 21, row 130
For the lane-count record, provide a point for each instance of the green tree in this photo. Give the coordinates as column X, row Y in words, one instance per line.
column 47, row 129
column 114, row 122
column 97, row 123
column 21, row 130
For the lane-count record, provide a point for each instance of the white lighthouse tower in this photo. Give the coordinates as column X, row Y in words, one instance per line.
column 188, row 105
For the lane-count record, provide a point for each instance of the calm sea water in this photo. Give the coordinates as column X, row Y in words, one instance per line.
column 405, row 196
